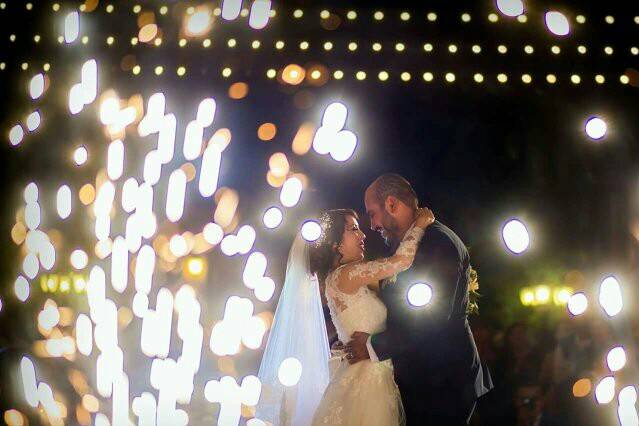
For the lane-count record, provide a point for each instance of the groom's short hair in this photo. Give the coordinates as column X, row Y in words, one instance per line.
column 393, row 184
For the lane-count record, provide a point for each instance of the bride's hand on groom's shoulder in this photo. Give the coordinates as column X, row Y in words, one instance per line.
column 425, row 217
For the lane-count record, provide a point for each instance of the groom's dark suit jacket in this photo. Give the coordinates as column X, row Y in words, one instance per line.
column 432, row 346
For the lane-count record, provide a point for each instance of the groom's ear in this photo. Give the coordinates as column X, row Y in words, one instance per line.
column 391, row 204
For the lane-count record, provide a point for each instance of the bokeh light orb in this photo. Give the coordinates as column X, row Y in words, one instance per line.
column 605, row 390
column 80, row 155
column 515, row 236
column 581, row 388
column 628, row 396
column 420, row 294
column 557, row 23
column 290, row 372
column 21, row 288
column 16, row 134
column 311, row 231
column 510, row 7
column 610, row 297
column 596, row 128
column 199, row 22
column 272, row 217
column 616, row 358
column 577, row 304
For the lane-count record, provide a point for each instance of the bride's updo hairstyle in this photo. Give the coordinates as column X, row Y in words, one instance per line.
column 323, row 252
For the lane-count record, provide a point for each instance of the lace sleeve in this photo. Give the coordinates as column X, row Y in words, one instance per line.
column 352, row 277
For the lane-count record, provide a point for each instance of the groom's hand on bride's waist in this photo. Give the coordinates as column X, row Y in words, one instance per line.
column 356, row 349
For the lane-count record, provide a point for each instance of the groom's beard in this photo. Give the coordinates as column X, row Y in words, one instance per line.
column 391, row 231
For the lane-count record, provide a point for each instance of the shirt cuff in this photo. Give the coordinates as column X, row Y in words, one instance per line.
column 371, row 352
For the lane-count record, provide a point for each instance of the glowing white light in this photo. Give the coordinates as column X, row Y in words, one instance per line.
column 140, row 304
column 255, row 329
column 610, row 297
column 628, row 396
column 213, row 233
column 115, row 160
column 31, row 193
column 231, row 9
column 311, row 230
column 129, row 194
column 616, row 358
column 30, row 265
column 557, row 23
column 419, row 294
column 605, row 390
column 152, row 168
column 145, row 408
column 245, row 239
column 510, row 7
column 577, row 304
column 29, row 382
column 84, row 334
column 104, row 199
column 71, row 27
column 229, row 245
column 89, row 81
column 272, row 217
column 144, row 268
column 48, row 317
column 156, row 326
column 596, row 128
column 254, row 269
column 119, row 264
column 101, row 420
column 264, row 289
column 102, row 227
column 154, row 117
column 175, row 195
column 76, row 99
column 32, row 215
column 335, row 116
column 166, row 138
column 109, row 109
column 193, row 140
column 120, row 414
column 80, row 155
column 290, row 372
column 63, row 202
column 516, row 236
column 16, row 134
column 343, row 145
column 260, row 13
column 21, row 288
column 178, row 246
column 96, row 291
column 45, row 395
column 291, row 192
column 33, row 121
column 36, row 86
column 210, row 170
column 206, row 112
column 79, row 259
column 199, row 22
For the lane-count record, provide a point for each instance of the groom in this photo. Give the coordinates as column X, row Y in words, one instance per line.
column 437, row 366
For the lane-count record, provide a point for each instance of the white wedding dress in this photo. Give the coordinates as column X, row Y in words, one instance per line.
column 364, row 393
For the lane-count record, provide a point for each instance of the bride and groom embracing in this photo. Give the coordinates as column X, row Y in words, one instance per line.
column 401, row 362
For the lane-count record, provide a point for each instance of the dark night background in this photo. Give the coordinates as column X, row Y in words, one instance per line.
column 477, row 154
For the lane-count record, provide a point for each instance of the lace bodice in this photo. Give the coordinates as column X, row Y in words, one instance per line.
column 363, row 310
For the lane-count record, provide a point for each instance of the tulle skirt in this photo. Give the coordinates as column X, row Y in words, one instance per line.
column 362, row 394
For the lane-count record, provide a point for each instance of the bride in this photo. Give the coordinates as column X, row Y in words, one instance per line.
column 364, row 393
